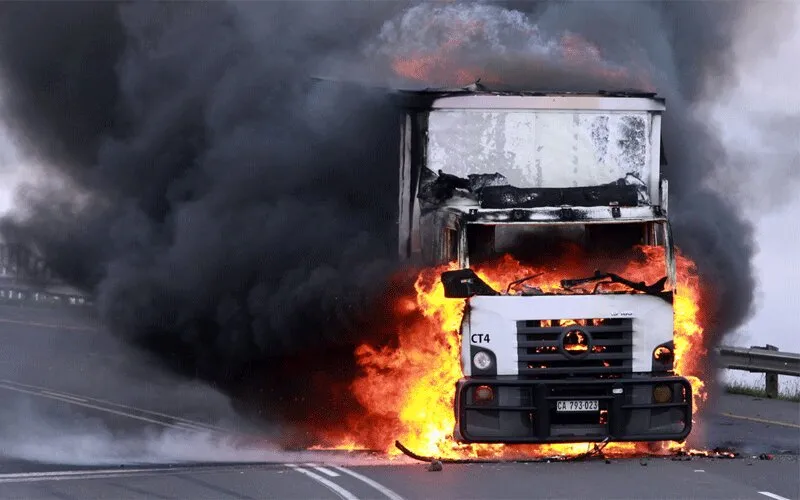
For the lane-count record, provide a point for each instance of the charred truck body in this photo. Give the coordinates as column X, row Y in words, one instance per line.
column 477, row 168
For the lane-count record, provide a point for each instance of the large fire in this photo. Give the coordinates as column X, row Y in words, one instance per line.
column 408, row 388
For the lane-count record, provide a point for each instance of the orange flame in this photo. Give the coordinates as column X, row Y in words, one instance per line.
column 436, row 65
column 408, row 389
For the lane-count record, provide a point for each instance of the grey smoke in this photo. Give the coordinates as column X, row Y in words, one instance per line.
column 758, row 115
column 236, row 213
column 61, row 435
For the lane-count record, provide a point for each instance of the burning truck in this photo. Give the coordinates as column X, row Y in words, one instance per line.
column 589, row 357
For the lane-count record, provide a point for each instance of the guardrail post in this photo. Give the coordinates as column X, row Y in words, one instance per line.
column 771, row 378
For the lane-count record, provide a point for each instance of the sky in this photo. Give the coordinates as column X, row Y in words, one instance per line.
column 778, row 296
column 777, row 304
column 766, row 93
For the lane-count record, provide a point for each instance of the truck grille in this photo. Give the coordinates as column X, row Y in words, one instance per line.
column 594, row 347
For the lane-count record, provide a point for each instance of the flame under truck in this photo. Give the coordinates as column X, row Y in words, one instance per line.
column 477, row 169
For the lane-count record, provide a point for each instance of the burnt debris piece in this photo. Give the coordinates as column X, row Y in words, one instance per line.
column 465, row 283
column 494, row 191
column 595, row 452
column 435, row 466
column 435, row 463
column 656, row 289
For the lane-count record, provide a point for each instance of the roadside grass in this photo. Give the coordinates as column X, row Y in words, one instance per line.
column 792, row 393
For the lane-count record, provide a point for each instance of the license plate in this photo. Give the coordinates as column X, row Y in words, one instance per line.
column 577, row 405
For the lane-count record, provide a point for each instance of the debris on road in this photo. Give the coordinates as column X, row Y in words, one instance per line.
column 596, row 452
column 435, row 466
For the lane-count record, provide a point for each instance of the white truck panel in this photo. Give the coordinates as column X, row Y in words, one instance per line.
column 501, row 328
column 543, row 148
column 556, row 101
column 535, row 141
column 497, row 316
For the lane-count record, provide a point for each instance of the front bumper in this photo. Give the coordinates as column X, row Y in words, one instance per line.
column 525, row 410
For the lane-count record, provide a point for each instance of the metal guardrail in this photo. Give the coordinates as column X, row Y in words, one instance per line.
column 767, row 360
column 760, row 359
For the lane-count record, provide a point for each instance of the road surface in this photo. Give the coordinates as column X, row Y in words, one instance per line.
column 83, row 418
column 707, row 479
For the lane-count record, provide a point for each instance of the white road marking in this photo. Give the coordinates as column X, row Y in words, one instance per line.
column 772, row 495
column 762, row 420
column 378, row 486
column 325, row 482
column 27, row 477
column 94, row 407
column 65, row 396
column 699, row 470
column 197, row 425
column 13, row 475
column 322, row 469
column 30, row 477
column 49, row 325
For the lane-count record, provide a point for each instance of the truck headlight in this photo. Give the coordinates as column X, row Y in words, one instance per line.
column 663, row 357
column 482, row 360
column 664, row 354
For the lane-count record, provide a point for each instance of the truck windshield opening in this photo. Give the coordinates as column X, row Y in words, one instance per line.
column 575, row 258
column 536, row 243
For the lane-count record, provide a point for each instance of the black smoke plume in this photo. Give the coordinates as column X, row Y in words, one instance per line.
column 233, row 213
column 236, row 210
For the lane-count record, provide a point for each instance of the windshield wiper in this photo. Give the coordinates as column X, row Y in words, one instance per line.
column 656, row 289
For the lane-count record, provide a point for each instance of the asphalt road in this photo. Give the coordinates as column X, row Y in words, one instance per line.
column 82, row 417
column 706, row 479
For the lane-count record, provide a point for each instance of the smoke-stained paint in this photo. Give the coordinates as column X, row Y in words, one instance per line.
column 238, row 214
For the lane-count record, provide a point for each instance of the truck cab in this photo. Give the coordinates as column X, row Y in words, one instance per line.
column 487, row 174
